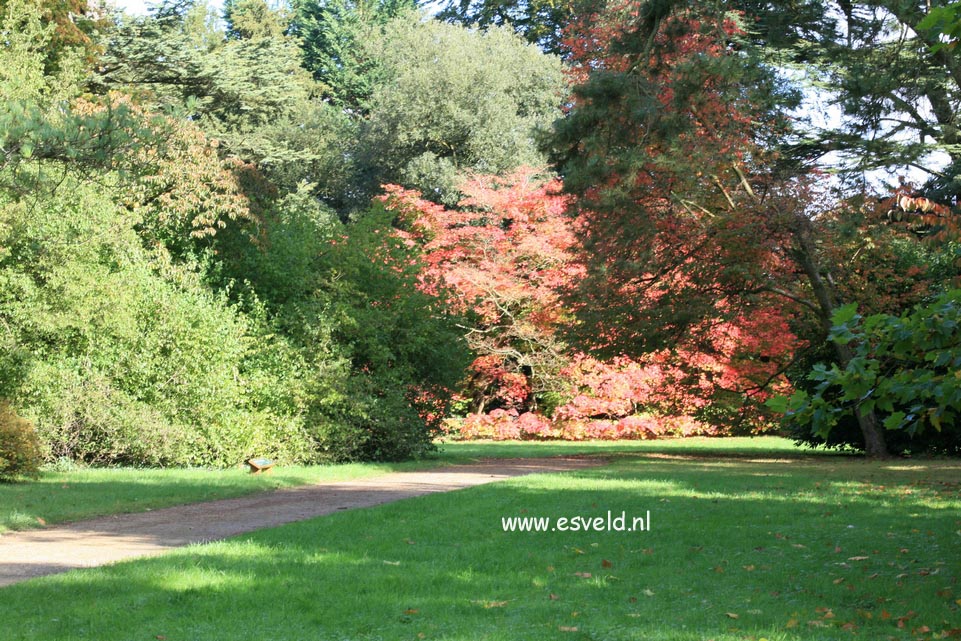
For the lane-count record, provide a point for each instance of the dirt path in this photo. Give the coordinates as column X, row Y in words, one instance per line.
column 25, row 555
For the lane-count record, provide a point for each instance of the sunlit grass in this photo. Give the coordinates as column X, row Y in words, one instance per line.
column 87, row 492
column 739, row 549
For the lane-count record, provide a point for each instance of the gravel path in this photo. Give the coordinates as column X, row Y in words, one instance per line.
column 25, row 555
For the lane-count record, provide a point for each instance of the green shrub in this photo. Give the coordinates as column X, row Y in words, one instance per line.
column 905, row 369
column 20, row 453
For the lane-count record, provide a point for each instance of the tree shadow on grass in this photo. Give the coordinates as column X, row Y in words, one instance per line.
column 730, row 555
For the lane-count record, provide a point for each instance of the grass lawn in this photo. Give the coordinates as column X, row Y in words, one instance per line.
column 742, row 547
column 83, row 493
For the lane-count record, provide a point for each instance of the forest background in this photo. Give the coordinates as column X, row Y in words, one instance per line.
column 337, row 229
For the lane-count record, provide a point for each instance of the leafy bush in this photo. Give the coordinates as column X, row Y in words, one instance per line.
column 371, row 419
column 398, row 343
column 905, row 368
column 132, row 358
column 19, row 446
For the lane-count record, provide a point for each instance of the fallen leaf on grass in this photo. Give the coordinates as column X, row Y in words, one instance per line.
column 606, row 564
column 410, row 611
column 906, row 617
column 731, row 615
column 648, row 592
column 391, row 562
column 792, row 623
column 838, row 581
column 565, row 628
column 858, row 558
column 553, row 597
column 583, row 575
column 953, row 633
column 41, row 521
column 749, row 568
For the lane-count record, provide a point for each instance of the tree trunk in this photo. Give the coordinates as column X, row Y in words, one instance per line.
column 874, row 444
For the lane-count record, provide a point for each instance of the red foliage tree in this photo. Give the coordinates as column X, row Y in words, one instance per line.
column 505, row 254
column 690, row 228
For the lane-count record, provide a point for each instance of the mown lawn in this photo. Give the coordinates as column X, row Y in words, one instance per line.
column 748, row 547
column 83, row 493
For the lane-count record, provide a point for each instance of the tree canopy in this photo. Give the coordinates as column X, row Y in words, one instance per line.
column 337, row 229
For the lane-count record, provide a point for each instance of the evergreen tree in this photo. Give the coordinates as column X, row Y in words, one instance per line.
column 881, row 64
column 687, row 222
column 333, row 33
column 180, row 62
column 541, row 22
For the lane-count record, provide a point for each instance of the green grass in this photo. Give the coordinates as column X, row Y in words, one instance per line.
column 740, row 548
column 732, row 446
column 58, row 497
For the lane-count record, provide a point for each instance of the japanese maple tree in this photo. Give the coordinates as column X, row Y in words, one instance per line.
column 503, row 252
column 506, row 253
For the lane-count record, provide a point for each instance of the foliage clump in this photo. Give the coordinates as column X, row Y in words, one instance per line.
column 20, row 450
column 905, row 367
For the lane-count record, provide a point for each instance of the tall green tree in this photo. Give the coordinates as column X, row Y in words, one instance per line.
column 333, row 33
column 243, row 85
column 180, row 61
column 880, row 63
column 541, row 22
column 452, row 100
